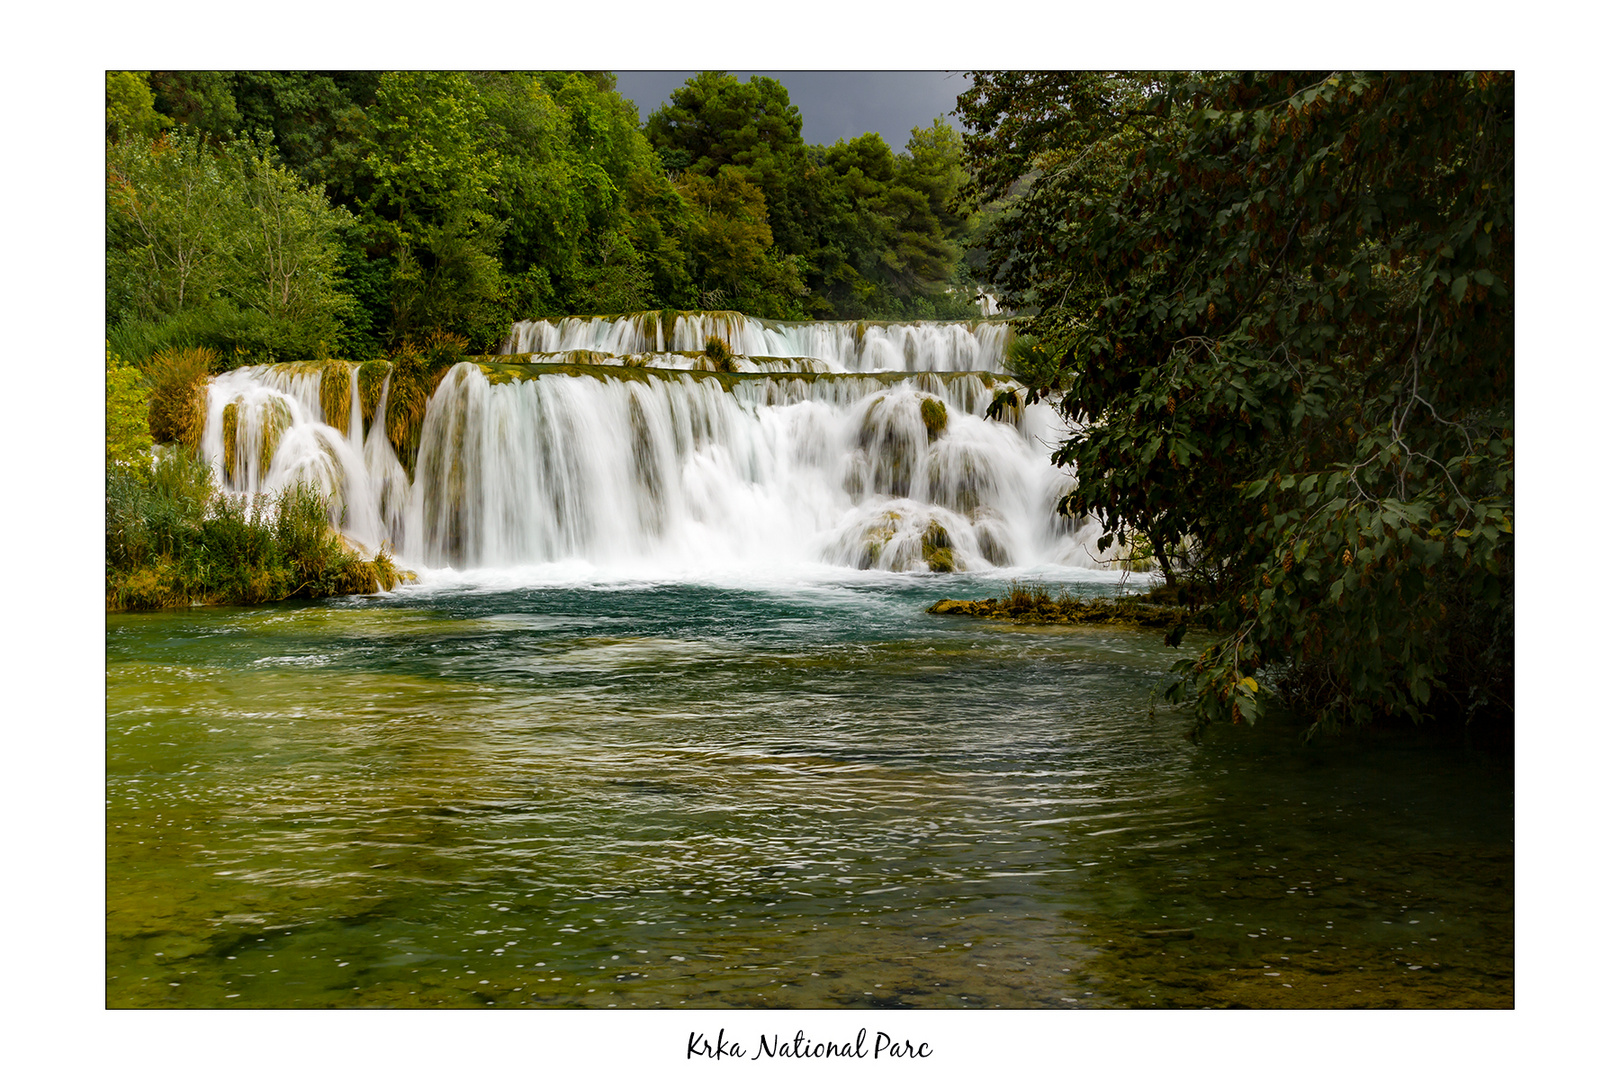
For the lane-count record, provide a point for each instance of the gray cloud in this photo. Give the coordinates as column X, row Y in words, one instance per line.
column 834, row 104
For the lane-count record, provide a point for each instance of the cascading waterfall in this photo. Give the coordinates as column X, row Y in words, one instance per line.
column 880, row 458
column 833, row 346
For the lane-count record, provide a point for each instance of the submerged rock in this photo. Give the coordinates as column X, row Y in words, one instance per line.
column 1023, row 605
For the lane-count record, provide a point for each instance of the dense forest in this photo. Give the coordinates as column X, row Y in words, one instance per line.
column 302, row 215
column 1277, row 308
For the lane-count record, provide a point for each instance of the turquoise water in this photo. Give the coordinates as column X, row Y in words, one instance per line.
column 816, row 795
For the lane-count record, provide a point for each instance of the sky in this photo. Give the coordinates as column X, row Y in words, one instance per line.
column 834, row 104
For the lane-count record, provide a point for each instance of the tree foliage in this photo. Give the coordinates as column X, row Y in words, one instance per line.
column 1281, row 308
column 416, row 203
column 219, row 246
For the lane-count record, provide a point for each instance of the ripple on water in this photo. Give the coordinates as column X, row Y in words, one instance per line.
column 817, row 797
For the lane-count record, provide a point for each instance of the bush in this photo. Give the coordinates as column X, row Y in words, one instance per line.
column 174, row 540
column 129, row 443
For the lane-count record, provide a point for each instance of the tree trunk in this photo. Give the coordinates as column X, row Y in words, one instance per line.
column 1164, row 560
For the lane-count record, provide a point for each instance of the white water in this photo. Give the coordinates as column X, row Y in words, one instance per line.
column 671, row 475
column 835, row 346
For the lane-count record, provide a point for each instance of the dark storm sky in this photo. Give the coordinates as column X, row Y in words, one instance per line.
column 834, row 104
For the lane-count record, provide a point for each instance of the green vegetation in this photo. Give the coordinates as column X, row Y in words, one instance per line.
column 178, row 379
column 174, row 540
column 129, row 440
column 1283, row 306
column 1020, row 602
column 934, row 416
column 277, row 216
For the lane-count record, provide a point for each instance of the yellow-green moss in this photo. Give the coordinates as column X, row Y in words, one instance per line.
column 934, row 416
column 228, row 421
column 336, row 378
column 276, row 418
column 179, row 382
column 373, row 374
column 1035, row 604
column 937, row 550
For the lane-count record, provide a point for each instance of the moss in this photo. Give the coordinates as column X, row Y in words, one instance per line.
column 275, row 419
column 179, row 382
column 507, row 368
column 934, row 416
column 336, row 379
column 877, row 537
column 228, row 424
column 407, row 403
column 937, row 550
column 372, row 375
column 1025, row 604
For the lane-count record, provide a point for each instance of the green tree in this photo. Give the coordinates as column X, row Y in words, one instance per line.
column 735, row 264
column 431, row 172
column 167, row 207
column 131, row 109
column 219, row 246
column 201, row 100
column 714, row 120
column 1287, row 323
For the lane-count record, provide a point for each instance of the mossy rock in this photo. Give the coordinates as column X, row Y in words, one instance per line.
column 934, row 416
column 373, row 374
column 991, row 548
column 228, row 424
column 275, row 418
column 937, row 550
column 877, row 537
column 336, row 383
column 1025, row 605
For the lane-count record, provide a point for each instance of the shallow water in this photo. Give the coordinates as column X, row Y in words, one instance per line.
column 815, row 795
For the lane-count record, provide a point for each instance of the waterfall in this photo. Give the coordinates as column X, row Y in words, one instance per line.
column 658, row 338
column 875, row 455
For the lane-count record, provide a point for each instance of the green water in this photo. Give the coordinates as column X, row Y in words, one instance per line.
column 685, row 795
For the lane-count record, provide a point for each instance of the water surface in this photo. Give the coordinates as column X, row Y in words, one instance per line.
column 477, row 793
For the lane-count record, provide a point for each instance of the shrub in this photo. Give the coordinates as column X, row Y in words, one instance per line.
column 129, row 442
column 173, row 540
